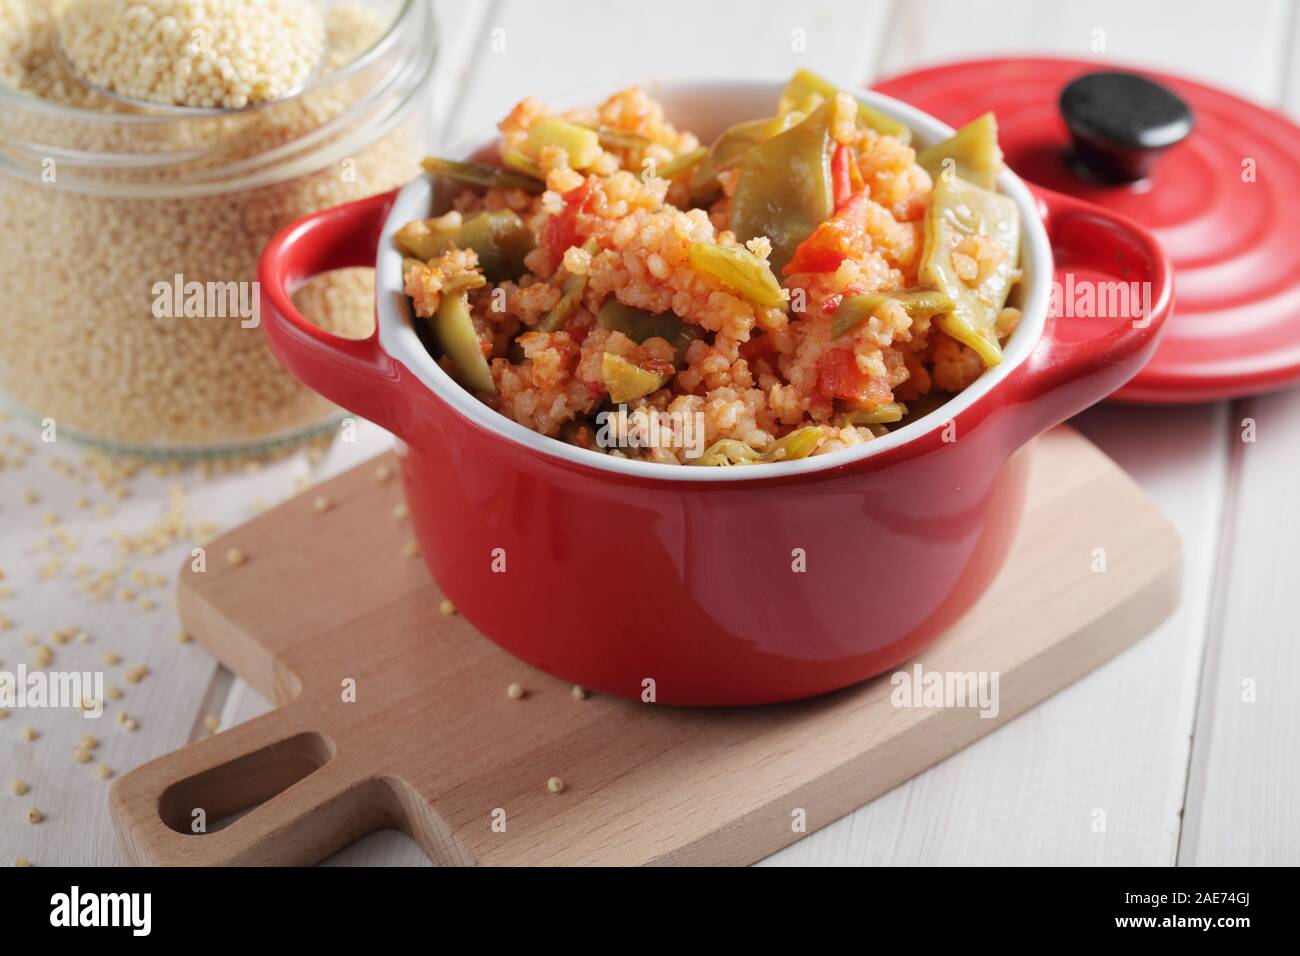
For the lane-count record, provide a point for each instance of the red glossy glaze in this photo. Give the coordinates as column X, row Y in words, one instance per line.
column 1230, row 237
column 612, row 580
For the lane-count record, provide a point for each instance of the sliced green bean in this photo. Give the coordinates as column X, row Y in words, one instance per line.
column 784, row 190
column 918, row 303
column 581, row 144
column 730, row 149
column 881, row 413
column 611, row 137
column 500, row 238
column 454, row 329
column 806, row 89
column 958, row 210
column 725, row 451
column 640, row 325
column 572, row 291
column 627, row 382
column 741, row 270
column 972, row 153
column 516, row 160
column 478, row 174
column 681, row 163
column 800, row 443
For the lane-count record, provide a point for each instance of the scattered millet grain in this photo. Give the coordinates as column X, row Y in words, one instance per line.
column 113, row 693
column 88, row 742
column 236, row 557
column 136, row 674
column 182, row 637
column 411, row 550
column 383, row 473
column 34, row 815
column 22, row 861
column 447, row 608
column 18, row 788
column 81, row 755
column 211, row 723
column 321, row 503
column 578, row 693
column 515, row 691
column 30, row 733
column 103, row 772
column 110, row 659
column 555, row 785
column 400, row 511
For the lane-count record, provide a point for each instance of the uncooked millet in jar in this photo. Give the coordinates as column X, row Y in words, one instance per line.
column 80, row 342
column 225, row 54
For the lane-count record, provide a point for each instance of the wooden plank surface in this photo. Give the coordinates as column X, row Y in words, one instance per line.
column 1244, row 783
column 702, row 785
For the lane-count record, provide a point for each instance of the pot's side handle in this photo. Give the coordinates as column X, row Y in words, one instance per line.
column 354, row 373
column 1063, row 377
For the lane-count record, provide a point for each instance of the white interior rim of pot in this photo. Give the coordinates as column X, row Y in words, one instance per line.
column 397, row 335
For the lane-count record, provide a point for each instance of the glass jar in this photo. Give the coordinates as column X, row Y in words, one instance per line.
column 129, row 238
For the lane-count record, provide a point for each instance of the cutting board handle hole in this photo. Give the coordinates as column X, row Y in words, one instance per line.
column 231, row 789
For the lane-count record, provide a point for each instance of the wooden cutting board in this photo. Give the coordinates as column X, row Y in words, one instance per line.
column 432, row 744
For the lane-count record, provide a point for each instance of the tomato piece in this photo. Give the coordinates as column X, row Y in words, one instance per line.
column 757, row 347
column 838, row 238
column 841, row 161
column 838, row 376
column 562, row 228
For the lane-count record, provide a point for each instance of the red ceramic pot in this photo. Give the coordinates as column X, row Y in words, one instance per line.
column 709, row 586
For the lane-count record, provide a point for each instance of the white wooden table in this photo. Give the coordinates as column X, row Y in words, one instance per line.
column 1188, row 742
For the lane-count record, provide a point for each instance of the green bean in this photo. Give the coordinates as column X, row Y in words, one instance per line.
column 627, row 382
column 800, row 443
column 972, row 153
column 454, row 329
column 784, row 189
column 572, row 291
column 681, row 163
column 918, row 303
column 611, row 137
column 500, row 238
column 581, row 144
column 478, row 174
column 958, row 210
column 516, row 160
column 880, row 413
column 725, row 451
column 739, row 269
column 806, row 89
column 640, row 325
column 730, row 148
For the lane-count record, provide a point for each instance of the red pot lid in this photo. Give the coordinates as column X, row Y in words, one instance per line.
column 1236, row 324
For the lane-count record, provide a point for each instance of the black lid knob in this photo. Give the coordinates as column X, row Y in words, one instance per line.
column 1120, row 124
